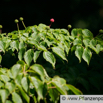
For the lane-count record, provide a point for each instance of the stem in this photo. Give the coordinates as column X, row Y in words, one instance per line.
column 51, row 87
column 0, row 31
column 23, row 24
column 18, row 28
column 50, row 24
column 48, row 83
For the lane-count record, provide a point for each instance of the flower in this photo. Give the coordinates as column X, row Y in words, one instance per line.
column 16, row 21
column 21, row 18
column 52, row 20
column 1, row 26
column 69, row 26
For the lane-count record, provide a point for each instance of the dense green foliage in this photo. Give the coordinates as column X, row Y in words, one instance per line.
column 32, row 58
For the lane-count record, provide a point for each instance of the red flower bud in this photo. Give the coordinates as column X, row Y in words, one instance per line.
column 52, row 20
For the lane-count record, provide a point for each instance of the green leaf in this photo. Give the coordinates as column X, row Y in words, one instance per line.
column 38, row 85
column 21, row 62
column 65, row 31
column 8, row 101
column 94, row 46
column 34, row 29
column 48, row 56
column 26, row 34
column 79, row 52
column 15, row 70
column 2, row 46
column 4, row 95
column 77, row 41
column 10, row 86
column 61, row 37
column 34, row 98
column 38, row 69
column 4, row 78
column 21, row 53
column 21, row 45
column 15, row 45
column 60, row 80
column 87, row 55
column 1, row 84
column 60, row 45
column 28, row 56
column 33, row 42
column 98, row 48
column 71, row 38
column 16, row 98
column 37, row 38
column 22, row 38
column 73, row 48
column 74, row 32
column 87, row 33
column 58, row 51
column 53, row 93
column 43, row 35
column 67, row 47
column 25, row 96
column 18, row 79
column 7, row 43
column 74, row 90
column 9, row 73
column 93, row 42
column 25, row 84
column 59, row 87
column 33, row 35
column 41, row 47
column 86, row 42
column 3, row 70
column 49, row 43
column 36, row 55
column 14, row 37
column 0, row 58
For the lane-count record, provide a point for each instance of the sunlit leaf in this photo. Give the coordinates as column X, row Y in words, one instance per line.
column 16, row 98
column 87, row 55
column 25, row 83
column 79, row 52
column 15, row 70
column 59, row 87
column 21, row 45
column 49, row 57
column 77, row 41
column 4, row 94
column 25, row 96
column 2, row 46
column 87, row 33
column 74, row 90
column 58, row 51
column 28, row 56
column 15, row 45
column 21, row 53
column 38, row 85
column 74, row 32
column 86, row 42
column 4, row 78
column 10, row 86
column 39, row 69
column 36, row 55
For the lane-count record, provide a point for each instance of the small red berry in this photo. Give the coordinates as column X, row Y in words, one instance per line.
column 52, row 20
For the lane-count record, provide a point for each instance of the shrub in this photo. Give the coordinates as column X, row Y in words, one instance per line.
column 27, row 55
